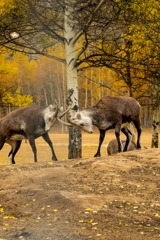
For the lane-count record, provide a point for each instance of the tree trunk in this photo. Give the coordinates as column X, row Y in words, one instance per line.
column 75, row 148
column 128, row 70
column 75, row 143
column 155, row 127
column 71, row 38
column 86, row 92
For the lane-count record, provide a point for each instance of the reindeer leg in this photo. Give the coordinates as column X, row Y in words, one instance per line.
column 48, row 140
column 33, row 146
column 15, row 147
column 128, row 134
column 2, row 142
column 101, row 138
column 117, row 133
column 137, row 124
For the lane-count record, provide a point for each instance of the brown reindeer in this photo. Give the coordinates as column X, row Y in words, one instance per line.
column 109, row 113
column 27, row 123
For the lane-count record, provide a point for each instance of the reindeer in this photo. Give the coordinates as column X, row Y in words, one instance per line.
column 112, row 147
column 27, row 123
column 109, row 113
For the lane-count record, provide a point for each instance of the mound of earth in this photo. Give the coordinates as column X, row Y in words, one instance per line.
column 110, row 198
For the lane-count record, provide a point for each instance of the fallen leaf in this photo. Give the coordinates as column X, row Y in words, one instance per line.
column 55, row 210
column 9, row 217
column 98, row 234
column 1, row 210
column 94, row 223
column 88, row 209
column 81, row 221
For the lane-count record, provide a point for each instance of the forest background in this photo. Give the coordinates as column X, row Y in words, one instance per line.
column 95, row 47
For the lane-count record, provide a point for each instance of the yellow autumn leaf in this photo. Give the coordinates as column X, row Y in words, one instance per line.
column 9, row 217
column 91, row 220
column 1, row 210
column 89, row 209
column 55, row 210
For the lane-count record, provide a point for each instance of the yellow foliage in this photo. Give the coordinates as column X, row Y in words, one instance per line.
column 5, row 5
column 17, row 99
column 9, row 79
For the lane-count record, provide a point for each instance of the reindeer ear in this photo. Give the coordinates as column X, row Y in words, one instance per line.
column 79, row 116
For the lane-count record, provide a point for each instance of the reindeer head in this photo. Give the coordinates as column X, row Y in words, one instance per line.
column 50, row 114
column 80, row 119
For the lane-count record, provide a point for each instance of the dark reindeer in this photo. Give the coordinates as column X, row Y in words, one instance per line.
column 27, row 123
column 109, row 113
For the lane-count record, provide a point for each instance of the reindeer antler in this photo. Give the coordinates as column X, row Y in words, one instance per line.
column 60, row 116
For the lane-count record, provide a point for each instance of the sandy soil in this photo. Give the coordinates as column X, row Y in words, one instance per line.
column 108, row 198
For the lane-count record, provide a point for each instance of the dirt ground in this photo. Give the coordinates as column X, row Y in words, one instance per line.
column 108, row 198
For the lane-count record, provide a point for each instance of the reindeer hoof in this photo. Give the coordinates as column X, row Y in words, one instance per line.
column 97, row 155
